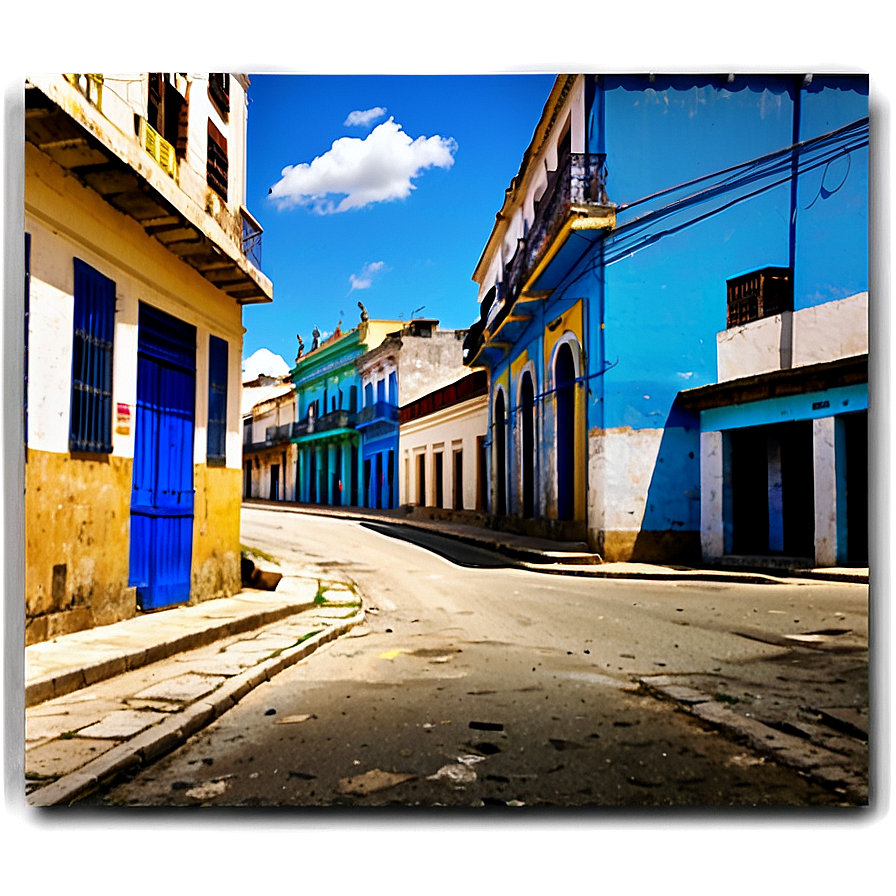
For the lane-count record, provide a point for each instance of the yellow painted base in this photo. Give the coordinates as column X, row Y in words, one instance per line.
column 216, row 533
column 647, row 547
column 77, row 528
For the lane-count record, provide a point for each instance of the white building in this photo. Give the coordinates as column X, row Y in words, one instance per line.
column 140, row 254
column 442, row 446
column 269, row 457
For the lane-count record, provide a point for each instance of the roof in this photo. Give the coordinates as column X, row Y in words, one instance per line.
column 252, row 396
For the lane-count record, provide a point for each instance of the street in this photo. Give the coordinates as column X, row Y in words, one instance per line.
column 476, row 684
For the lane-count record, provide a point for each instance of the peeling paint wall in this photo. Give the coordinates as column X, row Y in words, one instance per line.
column 216, row 533
column 77, row 537
column 77, row 507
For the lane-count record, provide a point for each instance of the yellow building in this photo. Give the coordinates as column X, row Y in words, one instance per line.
column 139, row 257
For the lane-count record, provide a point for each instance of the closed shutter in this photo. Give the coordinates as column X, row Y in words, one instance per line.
column 92, row 343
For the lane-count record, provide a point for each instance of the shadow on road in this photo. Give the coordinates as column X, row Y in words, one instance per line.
column 450, row 549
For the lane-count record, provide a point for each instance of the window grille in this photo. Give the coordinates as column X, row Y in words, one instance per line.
column 94, row 327
column 217, row 401
column 759, row 294
column 217, row 161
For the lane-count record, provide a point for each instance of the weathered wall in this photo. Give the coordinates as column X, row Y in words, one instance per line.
column 216, row 533
column 77, row 537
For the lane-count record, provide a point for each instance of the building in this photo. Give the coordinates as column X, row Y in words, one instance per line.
column 442, row 446
column 672, row 254
column 406, row 365
column 269, row 456
column 140, row 254
column 328, row 390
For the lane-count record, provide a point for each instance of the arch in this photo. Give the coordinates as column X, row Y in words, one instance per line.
column 499, row 422
column 526, row 392
column 565, row 415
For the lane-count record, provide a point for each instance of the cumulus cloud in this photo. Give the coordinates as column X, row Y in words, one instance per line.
column 264, row 362
column 378, row 168
column 363, row 118
column 364, row 280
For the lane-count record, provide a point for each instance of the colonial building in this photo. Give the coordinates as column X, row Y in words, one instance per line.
column 328, row 387
column 673, row 318
column 442, row 446
column 140, row 254
column 269, row 457
column 410, row 362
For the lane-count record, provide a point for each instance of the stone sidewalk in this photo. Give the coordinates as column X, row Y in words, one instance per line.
column 111, row 699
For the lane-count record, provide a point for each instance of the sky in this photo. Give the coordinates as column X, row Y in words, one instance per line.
column 377, row 189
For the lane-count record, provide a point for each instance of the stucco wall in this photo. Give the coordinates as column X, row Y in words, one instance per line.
column 452, row 429
column 814, row 335
column 77, row 507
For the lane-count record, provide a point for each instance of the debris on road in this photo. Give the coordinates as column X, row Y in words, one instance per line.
column 372, row 781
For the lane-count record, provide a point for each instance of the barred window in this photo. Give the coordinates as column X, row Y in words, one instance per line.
column 94, row 328
column 217, row 401
column 217, row 161
column 759, row 294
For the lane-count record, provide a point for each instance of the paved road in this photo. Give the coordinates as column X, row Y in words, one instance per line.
column 473, row 683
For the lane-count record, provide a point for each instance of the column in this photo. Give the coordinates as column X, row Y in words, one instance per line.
column 712, row 470
column 825, row 471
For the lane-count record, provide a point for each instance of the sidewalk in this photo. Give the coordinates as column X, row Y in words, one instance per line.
column 113, row 698
column 567, row 558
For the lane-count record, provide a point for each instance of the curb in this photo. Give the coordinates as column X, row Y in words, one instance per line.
column 73, row 680
column 166, row 736
column 821, row 765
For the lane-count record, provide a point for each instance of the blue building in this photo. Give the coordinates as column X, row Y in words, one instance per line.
column 673, row 315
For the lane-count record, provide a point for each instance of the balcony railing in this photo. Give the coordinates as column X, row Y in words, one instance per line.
column 274, row 434
column 160, row 149
column 252, row 231
column 579, row 182
column 324, row 423
column 378, row 412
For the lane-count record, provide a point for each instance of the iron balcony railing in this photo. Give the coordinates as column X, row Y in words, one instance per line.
column 379, row 411
column 252, row 232
column 274, row 434
column 579, row 182
column 324, row 423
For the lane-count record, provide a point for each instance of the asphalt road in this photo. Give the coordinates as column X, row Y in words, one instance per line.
column 477, row 684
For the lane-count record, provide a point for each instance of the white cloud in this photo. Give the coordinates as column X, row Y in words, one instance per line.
column 363, row 118
column 378, row 168
column 264, row 362
column 364, row 280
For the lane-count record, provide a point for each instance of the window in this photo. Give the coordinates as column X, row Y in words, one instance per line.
column 94, row 326
column 167, row 112
column 217, row 161
column 219, row 92
column 217, row 401
column 762, row 293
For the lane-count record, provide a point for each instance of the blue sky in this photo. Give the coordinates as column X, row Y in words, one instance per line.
column 390, row 206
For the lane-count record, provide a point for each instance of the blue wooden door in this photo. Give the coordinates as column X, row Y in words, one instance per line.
column 162, row 494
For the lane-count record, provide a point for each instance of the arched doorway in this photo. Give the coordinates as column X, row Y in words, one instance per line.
column 527, row 459
column 565, row 382
column 500, row 456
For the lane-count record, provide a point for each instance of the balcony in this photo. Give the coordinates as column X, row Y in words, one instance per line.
column 378, row 412
column 252, row 231
column 65, row 122
column 274, row 435
column 575, row 197
column 160, row 149
column 324, row 424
